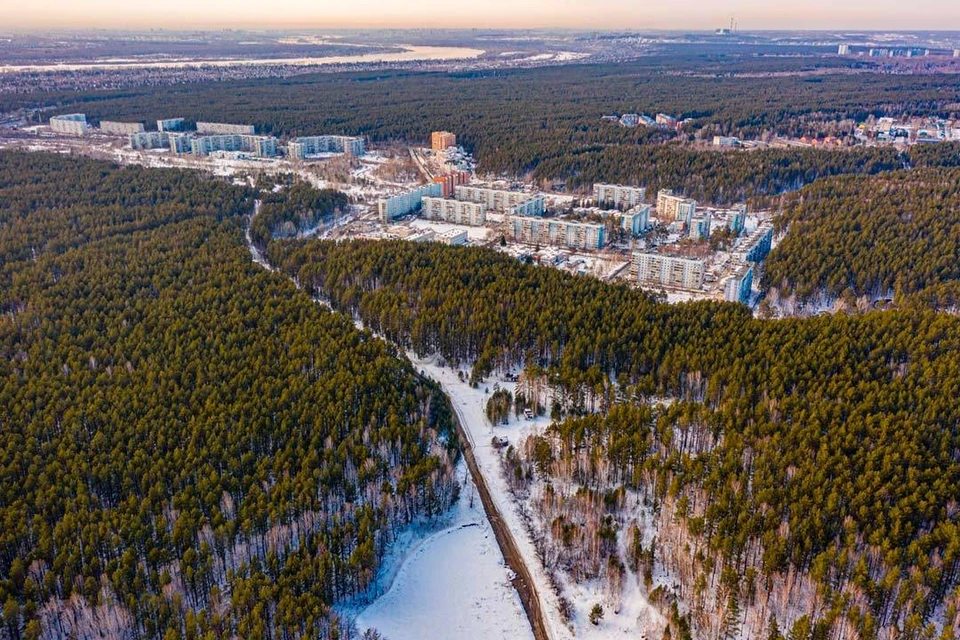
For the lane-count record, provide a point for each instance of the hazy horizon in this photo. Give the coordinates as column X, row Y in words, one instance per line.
column 927, row 15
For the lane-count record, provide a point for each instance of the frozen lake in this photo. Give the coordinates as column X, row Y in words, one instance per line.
column 451, row 584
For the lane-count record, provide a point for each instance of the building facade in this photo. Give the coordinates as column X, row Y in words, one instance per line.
column 440, row 140
column 685, row 273
column 636, row 221
column 389, row 209
column 71, row 124
column 260, row 146
column 615, row 196
column 737, row 287
column 223, row 128
column 302, row 148
column 149, row 140
column 674, row 207
column 573, row 235
column 757, row 247
column 737, row 219
column 700, row 227
column 120, row 128
column 473, row 214
column 452, row 180
column 502, row 201
column 171, row 124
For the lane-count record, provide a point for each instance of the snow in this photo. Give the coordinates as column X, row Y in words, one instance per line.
column 449, row 583
column 636, row 615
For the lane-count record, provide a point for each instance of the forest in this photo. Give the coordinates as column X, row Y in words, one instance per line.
column 514, row 121
column 893, row 234
column 294, row 210
column 804, row 472
column 192, row 448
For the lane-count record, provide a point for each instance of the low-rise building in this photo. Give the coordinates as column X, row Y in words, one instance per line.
column 473, row 214
column 71, row 124
column 726, row 141
column 453, row 238
column 573, row 235
column 671, row 271
column 615, row 196
column 171, row 124
column 120, row 128
column 737, row 287
column 390, row 209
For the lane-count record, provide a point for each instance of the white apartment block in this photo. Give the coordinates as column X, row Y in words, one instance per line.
column 573, row 235
column 302, row 148
column 737, row 287
column 149, row 140
column 502, row 201
column 636, row 220
column 473, row 214
column 674, row 207
column 222, row 128
column 260, row 146
column 72, row 124
column 171, row 124
column 653, row 268
column 390, row 209
column 618, row 196
column 120, row 128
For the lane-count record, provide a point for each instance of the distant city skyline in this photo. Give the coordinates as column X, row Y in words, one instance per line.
column 587, row 14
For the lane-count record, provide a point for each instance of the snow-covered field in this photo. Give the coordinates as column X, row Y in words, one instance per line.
column 447, row 581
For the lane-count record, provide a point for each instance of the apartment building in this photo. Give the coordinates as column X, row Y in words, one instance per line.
column 673, row 207
column 737, row 287
column 149, row 140
column 473, row 214
column 71, row 124
column 737, row 219
column 440, row 140
column 700, row 227
column 222, row 128
column 636, row 220
column 302, row 148
column 653, row 268
column 502, row 201
column 389, row 209
column 260, row 146
column 757, row 246
column 120, row 128
column 615, row 196
column 451, row 181
column 180, row 142
column 171, row 124
column 573, row 235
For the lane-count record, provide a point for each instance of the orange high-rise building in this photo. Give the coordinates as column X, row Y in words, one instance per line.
column 451, row 181
column 440, row 140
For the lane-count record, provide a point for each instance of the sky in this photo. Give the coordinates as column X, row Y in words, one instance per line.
column 590, row 14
